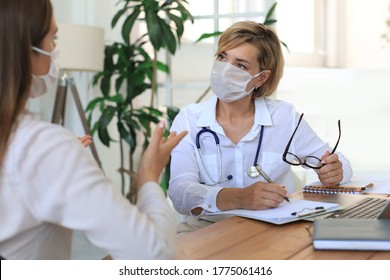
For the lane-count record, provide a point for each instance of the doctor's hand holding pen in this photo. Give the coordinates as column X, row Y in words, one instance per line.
column 258, row 196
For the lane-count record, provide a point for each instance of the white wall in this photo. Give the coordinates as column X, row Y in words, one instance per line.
column 88, row 12
column 359, row 98
column 365, row 23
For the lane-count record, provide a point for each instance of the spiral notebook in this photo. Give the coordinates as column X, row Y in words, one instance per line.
column 350, row 188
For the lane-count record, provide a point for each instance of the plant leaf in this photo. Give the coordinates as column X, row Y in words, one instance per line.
column 94, row 128
column 128, row 24
column 208, row 35
column 96, row 78
column 270, row 22
column 105, row 84
column 92, row 104
column 126, row 135
column 285, row 45
column 107, row 116
column 178, row 23
column 185, row 14
column 104, row 136
column 168, row 37
column 117, row 98
column 270, row 13
column 154, row 30
column 109, row 52
column 162, row 67
column 172, row 113
column 153, row 111
column 132, row 123
column 117, row 16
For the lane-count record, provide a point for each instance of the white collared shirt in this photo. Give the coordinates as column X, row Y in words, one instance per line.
column 190, row 186
column 50, row 185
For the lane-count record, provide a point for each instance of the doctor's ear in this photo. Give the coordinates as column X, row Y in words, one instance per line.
column 263, row 78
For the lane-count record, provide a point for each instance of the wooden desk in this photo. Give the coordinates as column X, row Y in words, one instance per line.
column 240, row 238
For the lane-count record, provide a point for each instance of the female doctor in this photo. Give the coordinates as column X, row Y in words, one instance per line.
column 235, row 154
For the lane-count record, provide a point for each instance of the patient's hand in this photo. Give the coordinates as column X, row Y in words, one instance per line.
column 157, row 154
column 86, row 140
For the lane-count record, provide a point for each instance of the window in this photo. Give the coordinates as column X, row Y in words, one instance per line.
column 190, row 67
column 300, row 24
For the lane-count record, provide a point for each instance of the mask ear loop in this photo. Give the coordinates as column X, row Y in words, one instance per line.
column 255, row 76
column 38, row 50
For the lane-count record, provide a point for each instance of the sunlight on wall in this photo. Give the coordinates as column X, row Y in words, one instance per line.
column 299, row 32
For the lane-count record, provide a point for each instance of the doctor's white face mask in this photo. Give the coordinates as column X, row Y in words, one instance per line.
column 41, row 84
column 229, row 82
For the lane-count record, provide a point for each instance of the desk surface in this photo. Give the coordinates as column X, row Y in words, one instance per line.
column 240, row 238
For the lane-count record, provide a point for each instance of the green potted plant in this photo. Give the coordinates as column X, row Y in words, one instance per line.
column 129, row 71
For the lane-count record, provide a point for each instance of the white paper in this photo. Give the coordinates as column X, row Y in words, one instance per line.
column 283, row 213
column 381, row 185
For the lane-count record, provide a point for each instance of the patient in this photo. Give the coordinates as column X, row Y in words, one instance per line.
column 49, row 185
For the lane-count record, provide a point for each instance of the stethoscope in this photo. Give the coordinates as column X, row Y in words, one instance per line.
column 253, row 171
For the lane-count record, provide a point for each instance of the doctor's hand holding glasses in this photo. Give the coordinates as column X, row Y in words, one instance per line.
column 328, row 168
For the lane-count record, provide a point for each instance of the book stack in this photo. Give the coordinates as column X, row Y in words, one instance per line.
column 338, row 234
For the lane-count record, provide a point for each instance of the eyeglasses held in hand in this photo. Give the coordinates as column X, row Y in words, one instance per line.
column 309, row 161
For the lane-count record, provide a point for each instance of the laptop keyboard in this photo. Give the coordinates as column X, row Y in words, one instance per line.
column 368, row 208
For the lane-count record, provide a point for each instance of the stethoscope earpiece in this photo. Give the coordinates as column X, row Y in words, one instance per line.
column 227, row 179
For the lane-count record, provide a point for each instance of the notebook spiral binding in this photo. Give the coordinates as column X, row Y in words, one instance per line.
column 326, row 190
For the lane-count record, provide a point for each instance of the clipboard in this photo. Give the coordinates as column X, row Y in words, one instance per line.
column 286, row 212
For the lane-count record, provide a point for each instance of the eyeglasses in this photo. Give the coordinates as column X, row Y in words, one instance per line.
column 309, row 161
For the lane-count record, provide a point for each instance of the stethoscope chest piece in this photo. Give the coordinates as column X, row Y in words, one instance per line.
column 253, row 172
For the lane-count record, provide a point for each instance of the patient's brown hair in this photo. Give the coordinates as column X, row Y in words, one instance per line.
column 23, row 23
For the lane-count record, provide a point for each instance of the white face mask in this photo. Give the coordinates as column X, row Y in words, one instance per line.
column 41, row 84
column 229, row 82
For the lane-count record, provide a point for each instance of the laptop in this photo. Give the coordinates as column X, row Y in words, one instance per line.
column 354, row 206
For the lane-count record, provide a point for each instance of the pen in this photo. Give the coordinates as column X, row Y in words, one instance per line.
column 268, row 179
column 370, row 185
column 311, row 213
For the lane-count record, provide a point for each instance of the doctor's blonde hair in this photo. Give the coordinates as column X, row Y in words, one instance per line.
column 265, row 39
